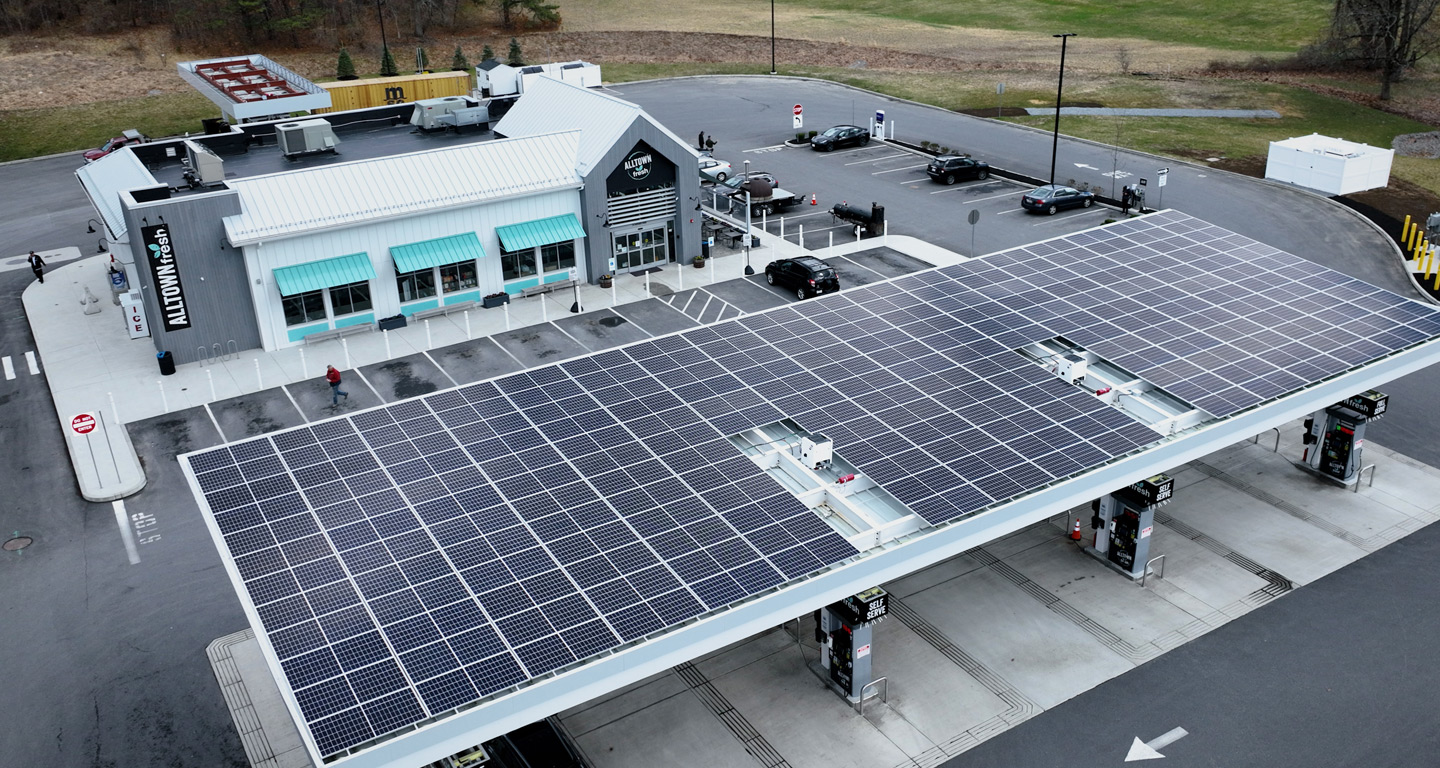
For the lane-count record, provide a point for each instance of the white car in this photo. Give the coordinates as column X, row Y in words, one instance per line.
column 714, row 170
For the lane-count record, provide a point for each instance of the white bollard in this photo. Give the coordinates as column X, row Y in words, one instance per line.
column 885, row 232
column 800, row 239
column 647, row 283
column 544, row 312
column 506, row 305
column 782, row 227
column 467, row 325
column 259, row 382
column 346, row 344
column 428, row 342
column 113, row 410
column 211, row 378
column 164, row 401
column 712, row 271
column 857, row 233
column 832, row 239
column 614, row 296
column 303, row 369
column 386, row 334
column 680, row 274
column 762, row 219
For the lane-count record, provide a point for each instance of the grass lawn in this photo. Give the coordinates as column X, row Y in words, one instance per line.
column 1279, row 25
column 35, row 132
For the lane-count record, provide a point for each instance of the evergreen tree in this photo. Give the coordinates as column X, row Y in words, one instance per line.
column 345, row 68
column 459, row 63
column 488, row 53
column 515, row 57
column 387, row 64
column 422, row 60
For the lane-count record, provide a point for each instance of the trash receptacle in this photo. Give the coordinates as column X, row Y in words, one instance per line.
column 167, row 363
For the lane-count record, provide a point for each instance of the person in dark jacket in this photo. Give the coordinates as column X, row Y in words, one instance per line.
column 333, row 377
column 37, row 265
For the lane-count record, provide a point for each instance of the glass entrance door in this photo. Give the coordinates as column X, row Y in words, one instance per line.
column 638, row 249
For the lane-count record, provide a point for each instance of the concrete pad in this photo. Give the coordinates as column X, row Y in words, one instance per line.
column 802, row 718
column 1291, row 547
column 749, row 651
column 927, row 689
column 1110, row 600
column 1197, row 571
column 255, row 414
column 539, row 345
column 405, row 377
column 474, row 360
column 602, row 329
column 1026, row 538
column 676, row 731
column 938, row 573
column 629, row 700
column 1042, row 654
column 1341, row 507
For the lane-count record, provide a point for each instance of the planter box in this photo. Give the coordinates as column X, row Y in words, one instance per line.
column 490, row 302
column 391, row 323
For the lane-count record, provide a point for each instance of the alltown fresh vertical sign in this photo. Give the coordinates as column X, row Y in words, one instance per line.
column 169, row 293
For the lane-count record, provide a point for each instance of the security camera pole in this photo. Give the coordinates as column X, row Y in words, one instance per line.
column 749, row 270
column 1055, row 142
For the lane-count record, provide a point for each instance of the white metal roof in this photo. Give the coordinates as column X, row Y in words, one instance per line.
column 554, row 105
column 106, row 178
column 296, row 202
column 1329, row 145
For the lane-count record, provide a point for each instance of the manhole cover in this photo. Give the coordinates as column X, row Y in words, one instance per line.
column 17, row 543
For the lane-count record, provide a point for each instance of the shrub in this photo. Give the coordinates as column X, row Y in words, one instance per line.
column 345, row 68
column 387, row 64
column 487, row 53
column 458, row 63
column 515, row 58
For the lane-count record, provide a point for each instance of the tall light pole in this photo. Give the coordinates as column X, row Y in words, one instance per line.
column 380, row 16
column 772, row 37
column 1055, row 142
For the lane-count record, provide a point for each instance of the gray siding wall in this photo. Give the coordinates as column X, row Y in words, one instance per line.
column 687, row 186
column 216, row 290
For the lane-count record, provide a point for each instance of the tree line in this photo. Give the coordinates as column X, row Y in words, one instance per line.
column 291, row 23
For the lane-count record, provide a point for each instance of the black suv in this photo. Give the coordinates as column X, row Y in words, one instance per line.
column 840, row 136
column 948, row 168
column 807, row 276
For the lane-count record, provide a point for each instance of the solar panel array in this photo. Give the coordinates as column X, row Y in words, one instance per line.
column 415, row 558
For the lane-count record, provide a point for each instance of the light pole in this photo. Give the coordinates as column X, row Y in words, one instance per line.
column 749, row 270
column 1055, row 141
column 772, row 37
column 380, row 16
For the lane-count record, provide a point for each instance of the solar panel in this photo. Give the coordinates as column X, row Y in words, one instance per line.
column 413, row 558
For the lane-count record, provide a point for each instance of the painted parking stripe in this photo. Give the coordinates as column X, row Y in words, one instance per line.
column 878, row 159
column 905, row 168
column 30, row 361
column 123, row 520
column 972, row 186
column 771, row 148
column 9, row 367
column 1057, row 218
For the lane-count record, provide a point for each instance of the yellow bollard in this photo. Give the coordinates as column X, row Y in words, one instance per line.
column 1414, row 238
column 1405, row 230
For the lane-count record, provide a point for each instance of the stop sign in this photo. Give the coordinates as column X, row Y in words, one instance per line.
column 797, row 109
column 83, row 424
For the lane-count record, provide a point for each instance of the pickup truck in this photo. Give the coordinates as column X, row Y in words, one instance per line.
column 766, row 195
column 129, row 137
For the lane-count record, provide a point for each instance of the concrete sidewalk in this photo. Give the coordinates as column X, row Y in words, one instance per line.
column 974, row 645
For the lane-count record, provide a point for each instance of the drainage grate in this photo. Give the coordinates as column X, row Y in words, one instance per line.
column 16, row 544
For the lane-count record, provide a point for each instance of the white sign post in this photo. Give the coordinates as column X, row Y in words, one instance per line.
column 1161, row 176
column 799, row 121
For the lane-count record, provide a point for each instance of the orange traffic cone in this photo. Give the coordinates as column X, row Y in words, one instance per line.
column 1075, row 534
column 812, row 199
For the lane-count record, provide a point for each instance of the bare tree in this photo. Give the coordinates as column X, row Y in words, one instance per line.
column 1390, row 36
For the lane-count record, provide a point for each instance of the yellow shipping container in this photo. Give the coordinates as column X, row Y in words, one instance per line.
column 379, row 91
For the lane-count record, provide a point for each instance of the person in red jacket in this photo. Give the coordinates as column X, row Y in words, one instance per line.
column 333, row 376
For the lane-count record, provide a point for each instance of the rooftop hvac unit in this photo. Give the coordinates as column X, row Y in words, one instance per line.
column 305, row 137
column 428, row 111
column 203, row 168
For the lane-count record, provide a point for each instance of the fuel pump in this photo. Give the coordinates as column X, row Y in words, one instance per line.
column 1335, row 437
column 844, row 630
column 1123, row 522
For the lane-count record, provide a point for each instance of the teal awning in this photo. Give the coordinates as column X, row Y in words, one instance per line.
column 326, row 273
column 437, row 252
column 556, row 229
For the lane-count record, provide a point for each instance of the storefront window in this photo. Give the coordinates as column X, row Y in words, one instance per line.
column 304, row 308
column 349, row 299
column 558, row 255
column 517, row 264
column 416, row 285
column 458, row 277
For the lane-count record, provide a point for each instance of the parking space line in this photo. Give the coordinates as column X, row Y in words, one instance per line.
column 587, row 347
column 632, row 322
column 906, row 168
column 436, row 363
column 878, row 159
column 502, row 348
column 30, row 361
column 1053, row 219
column 296, row 405
column 771, row 148
column 1006, row 213
column 862, row 266
column 978, row 199
column 123, row 520
column 9, row 367
column 361, row 374
column 688, row 299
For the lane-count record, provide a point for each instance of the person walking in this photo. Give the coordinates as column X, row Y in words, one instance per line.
column 333, row 377
column 37, row 265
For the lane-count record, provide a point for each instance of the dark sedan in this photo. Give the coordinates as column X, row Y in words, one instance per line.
column 840, row 136
column 806, row 275
column 1053, row 197
column 947, row 169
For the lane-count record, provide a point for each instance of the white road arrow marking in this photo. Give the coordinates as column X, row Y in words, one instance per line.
column 1082, row 165
column 1141, row 750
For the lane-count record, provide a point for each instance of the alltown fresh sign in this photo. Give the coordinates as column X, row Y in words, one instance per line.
column 169, row 292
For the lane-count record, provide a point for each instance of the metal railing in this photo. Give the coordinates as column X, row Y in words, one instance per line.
column 1361, row 474
column 1160, row 574
column 1256, row 439
column 884, row 695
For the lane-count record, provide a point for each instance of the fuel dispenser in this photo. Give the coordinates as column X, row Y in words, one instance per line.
column 1123, row 522
column 1335, row 437
column 843, row 630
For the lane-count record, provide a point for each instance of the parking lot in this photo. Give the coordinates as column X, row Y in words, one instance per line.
column 914, row 205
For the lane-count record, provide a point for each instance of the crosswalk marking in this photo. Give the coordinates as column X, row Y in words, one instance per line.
column 30, row 361
column 9, row 367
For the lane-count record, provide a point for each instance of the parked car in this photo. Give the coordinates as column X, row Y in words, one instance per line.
column 129, row 137
column 806, row 275
column 948, row 169
column 714, row 170
column 736, row 183
column 840, row 136
column 1053, row 197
